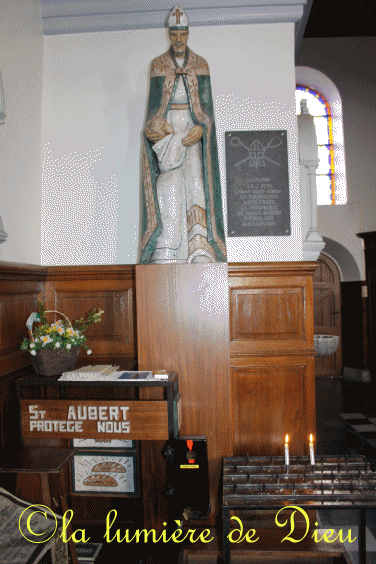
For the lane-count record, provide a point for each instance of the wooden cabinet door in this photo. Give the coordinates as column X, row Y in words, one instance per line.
column 272, row 356
column 273, row 397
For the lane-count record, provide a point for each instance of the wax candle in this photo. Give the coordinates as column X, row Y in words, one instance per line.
column 311, row 451
column 287, row 455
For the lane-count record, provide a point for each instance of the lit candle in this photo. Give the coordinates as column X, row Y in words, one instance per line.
column 287, row 457
column 311, row 451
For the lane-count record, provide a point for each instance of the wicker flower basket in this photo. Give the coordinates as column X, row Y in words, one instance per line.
column 53, row 362
column 49, row 362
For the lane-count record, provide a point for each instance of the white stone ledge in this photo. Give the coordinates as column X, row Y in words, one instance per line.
column 56, row 21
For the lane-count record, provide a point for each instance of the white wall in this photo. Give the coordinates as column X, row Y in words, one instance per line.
column 350, row 63
column 94, row 100
column 21, row 44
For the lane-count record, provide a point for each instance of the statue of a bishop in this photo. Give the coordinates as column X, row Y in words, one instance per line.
column 181, row 213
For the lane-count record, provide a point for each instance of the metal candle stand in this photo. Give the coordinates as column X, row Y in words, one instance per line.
column 266, row 483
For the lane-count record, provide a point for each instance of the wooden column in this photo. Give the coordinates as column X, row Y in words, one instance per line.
column 369, row 239
column 183, row 325
column 272, row 356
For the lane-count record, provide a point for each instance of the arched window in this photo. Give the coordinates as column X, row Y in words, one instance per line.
column 320, row 110
column 324, row 103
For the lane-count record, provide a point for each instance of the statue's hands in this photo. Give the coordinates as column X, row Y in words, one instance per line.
column 158, row 129
column 193, row 136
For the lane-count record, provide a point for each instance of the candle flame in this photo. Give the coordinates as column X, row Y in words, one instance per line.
column 286, row 439
column 311, row 438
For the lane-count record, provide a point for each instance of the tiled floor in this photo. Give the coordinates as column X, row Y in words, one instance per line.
column 334, row 396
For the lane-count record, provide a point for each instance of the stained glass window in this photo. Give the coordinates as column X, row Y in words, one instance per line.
column 325, row 174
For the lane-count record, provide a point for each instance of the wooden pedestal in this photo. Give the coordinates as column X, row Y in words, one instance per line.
column 183, row 316
column 183, row 326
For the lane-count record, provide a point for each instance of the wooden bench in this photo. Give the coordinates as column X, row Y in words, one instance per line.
column 46, row 463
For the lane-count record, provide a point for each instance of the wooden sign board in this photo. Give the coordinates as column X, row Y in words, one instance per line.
column 258, row 200
column 74, row 419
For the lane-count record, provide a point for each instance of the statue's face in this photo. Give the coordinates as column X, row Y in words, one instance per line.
column 179, row 40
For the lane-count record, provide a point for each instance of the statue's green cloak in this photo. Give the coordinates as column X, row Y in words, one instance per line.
column 163, row 79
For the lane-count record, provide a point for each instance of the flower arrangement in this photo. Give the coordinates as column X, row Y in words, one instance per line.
column 59, row 335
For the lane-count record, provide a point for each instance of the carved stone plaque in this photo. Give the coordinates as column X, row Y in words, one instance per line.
column 258, row 202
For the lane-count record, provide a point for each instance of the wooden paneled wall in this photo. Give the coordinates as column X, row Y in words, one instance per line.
column 74, row 290
column 270, row 390
column 272, row 356
column 21, row 286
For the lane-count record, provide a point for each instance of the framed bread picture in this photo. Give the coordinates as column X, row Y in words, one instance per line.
column 105, row 472
column 103, row 443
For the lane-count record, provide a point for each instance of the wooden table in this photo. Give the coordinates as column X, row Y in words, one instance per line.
column 168, row 407
column 152, row 421
column 47, row 463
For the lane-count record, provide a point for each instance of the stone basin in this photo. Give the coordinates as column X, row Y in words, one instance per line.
column 325, row 344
